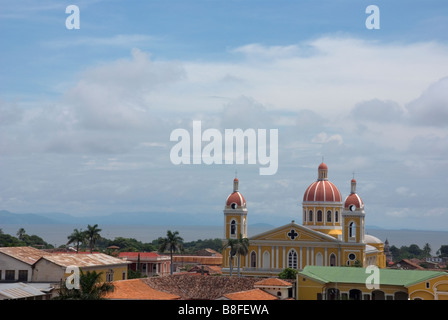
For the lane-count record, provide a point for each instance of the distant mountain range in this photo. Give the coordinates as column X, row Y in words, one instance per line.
column 133, row 218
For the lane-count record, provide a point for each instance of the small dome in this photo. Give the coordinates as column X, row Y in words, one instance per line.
column 323, row 166
column 235, row 199
column 353, row 201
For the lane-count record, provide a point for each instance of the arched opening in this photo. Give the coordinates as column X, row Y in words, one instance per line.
column 253, row 259
column 319, row 259
column 266, row 260
column 233, row 228
column 310, row 216
column 319, row 216
column 328, row 216
column 400, row 295
column 333, row 294
column 332, row 260
column 352, row 229
column 354, row 294
column 378, row 295
column 292, row 259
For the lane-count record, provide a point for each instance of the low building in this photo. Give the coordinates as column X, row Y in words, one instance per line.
column 345, row 283
column 282, row 289
column 16, row 263
column 53, row 268
column 148, row 263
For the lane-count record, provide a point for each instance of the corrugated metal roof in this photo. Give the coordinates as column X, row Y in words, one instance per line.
column 83, row 260
column 18, row 290
column 27, row 255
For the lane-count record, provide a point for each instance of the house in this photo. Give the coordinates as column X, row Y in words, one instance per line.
column 282, row 289
column 148, row 263
column 16, row 263
column 53, row 267
column 334, row 283
column 406, row 264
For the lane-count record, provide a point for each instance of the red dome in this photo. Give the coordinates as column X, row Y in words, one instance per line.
column 237, row 198
column 353, row 199
column 322, row 190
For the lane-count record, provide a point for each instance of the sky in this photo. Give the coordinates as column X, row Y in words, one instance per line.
column 86, row 114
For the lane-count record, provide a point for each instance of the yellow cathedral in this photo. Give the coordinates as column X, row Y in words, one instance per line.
column 332, row 233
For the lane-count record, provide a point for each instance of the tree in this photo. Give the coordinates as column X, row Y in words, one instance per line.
column 172, row 243
column 232, row 244
column 427, row 250
column 443, row 251
column 288, row 273
column 76, row 237
column 90, row 288
column 21, row 234
column 92, row 235
column 242, row 249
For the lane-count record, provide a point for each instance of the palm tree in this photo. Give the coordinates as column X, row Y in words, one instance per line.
column 90, row 288
column 172, row 242
column 232, row 243
column 76, row 237
column 238, row 247
column 242, row 249
column 21, row 234
column 92, row 235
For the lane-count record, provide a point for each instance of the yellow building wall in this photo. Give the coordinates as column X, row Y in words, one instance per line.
column 436, row 288
column 117, row 275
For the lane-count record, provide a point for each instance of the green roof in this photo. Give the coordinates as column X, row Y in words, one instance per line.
column 359, row 275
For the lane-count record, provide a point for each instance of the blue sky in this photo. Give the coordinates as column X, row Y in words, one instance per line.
column 86, row 114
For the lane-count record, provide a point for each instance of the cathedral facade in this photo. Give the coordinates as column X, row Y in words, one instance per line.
column 332, row 233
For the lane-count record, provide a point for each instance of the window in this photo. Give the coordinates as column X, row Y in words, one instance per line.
column 332, row 260
column 23, row 275
column 319, row 216
column 310, row 218
column 233, row 228
column 292, row 259
column 110, row 275
column 328, row 216
column 10, row 275
column 352, row 230
column 253, row 260
column 123, row 276
column 336, row 216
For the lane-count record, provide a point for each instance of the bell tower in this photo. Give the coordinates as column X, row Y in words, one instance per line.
column 235, row 214
column 353, row 217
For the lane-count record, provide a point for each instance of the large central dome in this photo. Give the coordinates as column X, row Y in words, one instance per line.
column 322, row 190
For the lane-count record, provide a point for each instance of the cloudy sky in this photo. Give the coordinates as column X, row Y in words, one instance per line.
column 86, row 114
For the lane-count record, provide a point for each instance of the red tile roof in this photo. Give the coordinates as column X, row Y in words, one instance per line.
column 136, row 289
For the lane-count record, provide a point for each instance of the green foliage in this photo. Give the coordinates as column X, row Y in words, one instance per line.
column 90, row 288
column 288, row 273
column 23, row 239
column 414, row 251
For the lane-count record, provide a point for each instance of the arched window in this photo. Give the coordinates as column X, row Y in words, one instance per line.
column 319, row 216
column 310, row 218
column 292, row 259
column 319, row 259
column 352, row 230
column 253, row 259
column 328, row 216
column 332, row 260
column 266, row 260
column 233, row 228
column 336, row 216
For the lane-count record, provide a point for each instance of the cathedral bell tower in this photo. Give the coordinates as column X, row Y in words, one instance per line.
column 235, row 214
column 353, row 217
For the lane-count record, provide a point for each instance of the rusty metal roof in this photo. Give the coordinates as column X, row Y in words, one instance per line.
column 28, row 255
column 83, row 260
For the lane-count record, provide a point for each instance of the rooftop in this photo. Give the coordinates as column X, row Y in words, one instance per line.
column 253, row 294
column 136, row 289
column 83, row 260
column 359, row 275
column 27, row 255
